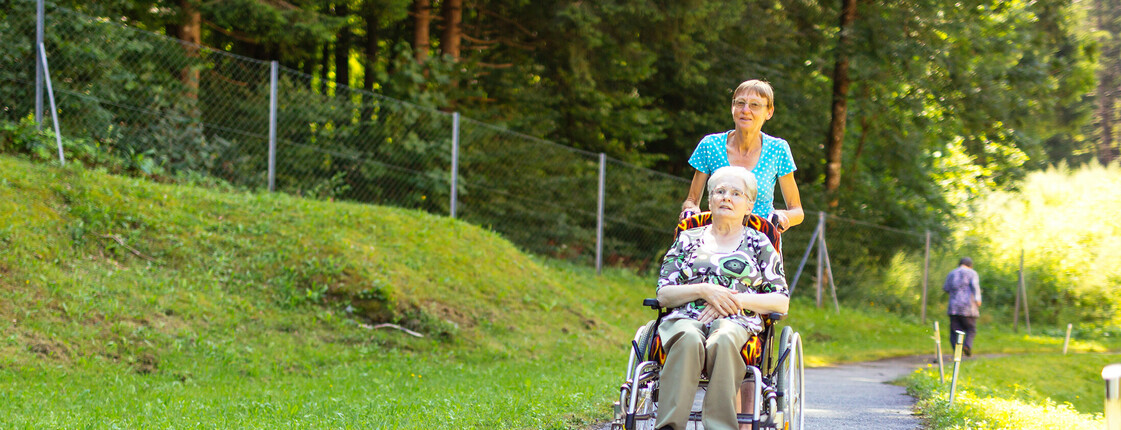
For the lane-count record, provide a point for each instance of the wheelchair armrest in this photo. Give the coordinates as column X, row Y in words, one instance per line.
column 652, row 304
column 776, row 316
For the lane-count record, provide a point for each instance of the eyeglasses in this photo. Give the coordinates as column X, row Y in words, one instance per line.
column 754, row 106
column 727, row 193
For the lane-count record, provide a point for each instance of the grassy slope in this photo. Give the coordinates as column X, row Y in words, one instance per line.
column 245, row 310
column 238, row 301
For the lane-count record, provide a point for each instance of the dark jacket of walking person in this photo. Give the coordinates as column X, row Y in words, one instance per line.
column 964, row 287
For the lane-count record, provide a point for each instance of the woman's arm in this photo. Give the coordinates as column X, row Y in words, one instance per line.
column 793, row 213
column 692, row 201
column 763, row 303
column 720, row 298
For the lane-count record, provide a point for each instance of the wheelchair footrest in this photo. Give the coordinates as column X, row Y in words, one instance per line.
column 741, row 419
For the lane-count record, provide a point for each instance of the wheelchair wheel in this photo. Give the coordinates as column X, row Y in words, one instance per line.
column 645, row 411
column 791, row 379
column 643, row 337
column 645, row 404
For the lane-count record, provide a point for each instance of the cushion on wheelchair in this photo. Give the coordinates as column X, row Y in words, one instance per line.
column 752, row 220
column 751, row 352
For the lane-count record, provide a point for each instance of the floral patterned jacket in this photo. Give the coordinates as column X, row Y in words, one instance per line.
column 755, row 266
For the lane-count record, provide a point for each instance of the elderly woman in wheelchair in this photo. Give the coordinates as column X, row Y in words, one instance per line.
column 716, row 283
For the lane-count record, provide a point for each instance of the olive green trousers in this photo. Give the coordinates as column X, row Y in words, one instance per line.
column 690, row 348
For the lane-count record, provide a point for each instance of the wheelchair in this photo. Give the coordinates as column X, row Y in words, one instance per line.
column 776, row 370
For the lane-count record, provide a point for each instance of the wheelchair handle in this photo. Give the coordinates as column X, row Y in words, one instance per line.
column 652, row 304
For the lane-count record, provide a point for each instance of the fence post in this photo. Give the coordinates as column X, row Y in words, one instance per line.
column 805, row 256
column 938, row 352
column 820, row 257
column 957, row 364
column 599, row 213
column 455, row 162
column 925, row 275
column 39, row 18
column 273, row 71
column 50, row 94
column 1024, row 293
column 1112, row 374
column 1066, row 342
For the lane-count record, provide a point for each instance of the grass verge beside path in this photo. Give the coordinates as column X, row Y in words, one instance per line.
column 1031, row 391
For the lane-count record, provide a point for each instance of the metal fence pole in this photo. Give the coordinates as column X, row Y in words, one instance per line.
column 39, row 21
column 957, row 363
column 50, row 93
column 274, row 70
column 1112, row 376
column 925, row 275
column 599, row 213
column 455, row 161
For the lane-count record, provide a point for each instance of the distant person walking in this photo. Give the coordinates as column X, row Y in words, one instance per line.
column 964, row 287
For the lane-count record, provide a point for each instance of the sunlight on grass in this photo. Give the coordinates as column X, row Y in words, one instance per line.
column 1035, row 391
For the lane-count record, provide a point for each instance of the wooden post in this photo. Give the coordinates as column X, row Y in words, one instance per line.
column 1066, row 342
column 1016, row 307
column 938, row 352
column 925, row 275
column 1024, row 293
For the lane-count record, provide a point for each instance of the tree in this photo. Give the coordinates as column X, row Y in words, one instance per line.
column 422, row 11
column 834, row 142
column 1108, row 15
column 452, row 11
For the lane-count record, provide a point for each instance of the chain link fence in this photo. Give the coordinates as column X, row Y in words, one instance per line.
column 187, row 109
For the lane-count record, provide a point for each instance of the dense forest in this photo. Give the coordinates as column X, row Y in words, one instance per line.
column 897, row 112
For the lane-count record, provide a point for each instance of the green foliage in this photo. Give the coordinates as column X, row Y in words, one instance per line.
column 1021, row 392
column 1069, row 254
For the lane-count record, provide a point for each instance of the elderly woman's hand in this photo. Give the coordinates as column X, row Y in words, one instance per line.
column 720, row 299
column 709, row 314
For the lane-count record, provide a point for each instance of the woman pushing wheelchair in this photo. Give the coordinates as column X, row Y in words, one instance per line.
column 718, row 280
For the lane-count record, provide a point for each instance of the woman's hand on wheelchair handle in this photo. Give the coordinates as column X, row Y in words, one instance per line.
column 689, row 208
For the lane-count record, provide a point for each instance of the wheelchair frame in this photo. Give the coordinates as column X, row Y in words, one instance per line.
column 778, row 380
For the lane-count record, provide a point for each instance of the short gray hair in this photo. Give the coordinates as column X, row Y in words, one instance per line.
column 757, row 87
column 750, row 187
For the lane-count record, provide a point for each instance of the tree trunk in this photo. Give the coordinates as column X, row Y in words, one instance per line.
column 325, row 58
column 342, row 50
column 423, row 15
column 1107, row 79
column 190, row 31
column 453, row 28
column 833, row 142
column 371, row 62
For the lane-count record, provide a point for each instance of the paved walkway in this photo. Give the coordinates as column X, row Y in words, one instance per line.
column 854, row 396
column 858, row 396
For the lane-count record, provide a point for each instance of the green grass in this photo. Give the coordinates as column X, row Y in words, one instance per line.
column 134, row 304
column 1035, row 391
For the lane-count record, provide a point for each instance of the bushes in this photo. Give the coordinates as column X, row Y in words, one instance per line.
column 1064, row 222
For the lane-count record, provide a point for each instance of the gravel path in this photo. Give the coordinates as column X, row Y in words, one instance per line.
column 858, row 395
column 855, row 396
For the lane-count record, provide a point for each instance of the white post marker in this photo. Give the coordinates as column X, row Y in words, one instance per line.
column 1112, row 375
column 938, row 352
column 957, row 364
column 1066, row 342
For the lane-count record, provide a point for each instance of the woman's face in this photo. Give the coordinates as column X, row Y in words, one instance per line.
column 729, row 199
column 751, row 110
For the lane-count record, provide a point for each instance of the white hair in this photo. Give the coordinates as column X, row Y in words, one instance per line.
column 750, row 187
